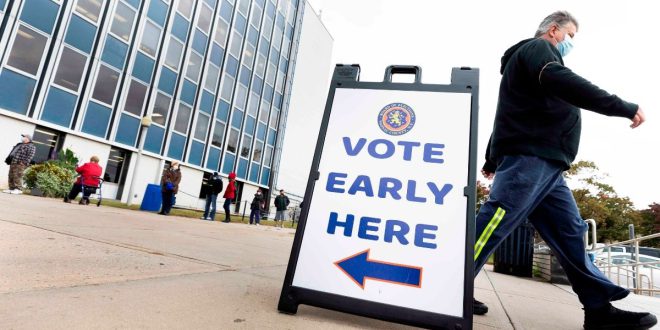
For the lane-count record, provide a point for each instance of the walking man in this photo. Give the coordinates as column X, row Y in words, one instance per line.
column 281, row 203
column 18, row 160
column 230, row 194
column 535, row 139
column 214, row 188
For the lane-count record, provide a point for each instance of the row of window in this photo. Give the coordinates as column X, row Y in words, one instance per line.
column 114, row 61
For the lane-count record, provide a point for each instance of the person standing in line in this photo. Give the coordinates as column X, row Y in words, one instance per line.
column 18, row 160
column 535, row 139
column 255, row 207
column 87, row 181
column 230, row 194
column 170, row 187
column 281, row 203
column 215, row 186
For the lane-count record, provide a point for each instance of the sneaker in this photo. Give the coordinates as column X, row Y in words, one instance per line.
column 479, row 308
column 7, row 191
column 17, row 192
column 257, row 225
column 610, row 317
column 204, row 218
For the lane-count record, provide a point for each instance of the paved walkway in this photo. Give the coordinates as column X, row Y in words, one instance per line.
column 74, row 267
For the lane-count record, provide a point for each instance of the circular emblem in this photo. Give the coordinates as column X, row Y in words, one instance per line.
column 396, row 119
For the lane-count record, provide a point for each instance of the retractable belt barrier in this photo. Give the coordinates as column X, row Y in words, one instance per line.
column 388, row 231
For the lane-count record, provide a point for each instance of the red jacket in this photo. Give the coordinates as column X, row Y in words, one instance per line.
column 230, row 192
column 89, row 174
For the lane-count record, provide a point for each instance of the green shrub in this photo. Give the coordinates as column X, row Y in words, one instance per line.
column 67, row 159
column 53, row 178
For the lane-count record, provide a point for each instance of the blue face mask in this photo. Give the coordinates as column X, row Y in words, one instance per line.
column 565, row 46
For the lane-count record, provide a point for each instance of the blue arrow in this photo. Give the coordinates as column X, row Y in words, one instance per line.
column 359, row 268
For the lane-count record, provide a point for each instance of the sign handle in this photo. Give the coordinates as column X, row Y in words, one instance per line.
column 403, row 69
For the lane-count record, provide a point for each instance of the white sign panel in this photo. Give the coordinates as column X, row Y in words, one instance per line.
column 387, row 219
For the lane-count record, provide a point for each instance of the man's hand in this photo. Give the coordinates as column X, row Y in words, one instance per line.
column 487, row 175
column 638, row 119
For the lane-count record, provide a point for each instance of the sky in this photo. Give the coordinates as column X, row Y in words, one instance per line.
column 615, row 48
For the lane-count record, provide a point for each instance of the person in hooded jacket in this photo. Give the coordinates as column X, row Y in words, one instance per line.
column 230, row 194
column 535, row 139
column 169, row 183
column 214, row 188
column 255, row 207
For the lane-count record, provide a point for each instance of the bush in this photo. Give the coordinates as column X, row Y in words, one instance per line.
column 52, row 177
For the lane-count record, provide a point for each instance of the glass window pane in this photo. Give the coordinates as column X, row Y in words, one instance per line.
column 150, row 38
column 243, row 6
column 247, row 145
column 227, row 87
column 161, row 109
column 212, row 75
column 173, row 57
column 273, row 119
column 241, row 96
column 256, row 15
column 80, row 34
column 235, row 47
column 89, row 8
column 27, row 51
column 265, row 109
column 253, row 105
column 204, row 20
column 202, row 127
column 114, row 52
column 268, row 155
column 41, row 14
column 258, row 147
column 15, row 91
column 180, row 28
column 115, row 165
column 248, row 55
column 106, row 83
column 221, row 32
column 122, row 23
column 261, row 65
column 158, row 11
column 218, row 134
column 185, row 7
column 182, row 118
column 137, row 93
column 232, row 142
column 194, row 67
column 70, row 69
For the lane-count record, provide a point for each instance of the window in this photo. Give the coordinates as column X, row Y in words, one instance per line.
column 202, row 127
column 127, row 130
column 261, row 65
column 173, row 57
column 248, row 55
column 59, row 107
column 232, row 142
column 221, row 32
column 15, row 91
column 70, row 69
column 268, row 155
column 273, row 119
column 218, row 134
column 227, row 87
column 265, row 109
column 182, row 118
column 135, row 98
column 106, row 83
column 89, row 8
column 115, row 167
column 167, row 81
column 241, row 96
column 180, row 28
column 122, row 24
column 235, row 47
column 80, row 34
column 243, row 6
column 258, row 147
column 46, row 142
column 161, row 109
column 185, row 7
column 204, row 20
column 157, row 11
column 194, row 67
column 143, row 67
column 27, row 50
column 232, row 66
column 212, row 75
column 247, row 144
column 96, row 120
column 226, row 10
column 199, row 41
column 253, row 105
column 217, row 54
column 256, row 15
column 150, row 37
column 114, row 52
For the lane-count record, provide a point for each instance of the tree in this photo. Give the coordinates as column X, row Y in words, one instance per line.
column 599, row 201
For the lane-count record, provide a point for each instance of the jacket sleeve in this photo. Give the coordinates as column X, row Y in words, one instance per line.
column 220, row 185
column 177, row 178
column 572, row 88
column 81, row 169
column 31, row 152
column 489, row 164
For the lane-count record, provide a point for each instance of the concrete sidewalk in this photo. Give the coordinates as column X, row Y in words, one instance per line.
column 66, row 266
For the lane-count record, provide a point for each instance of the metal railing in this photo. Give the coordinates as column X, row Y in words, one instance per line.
column 639, row 276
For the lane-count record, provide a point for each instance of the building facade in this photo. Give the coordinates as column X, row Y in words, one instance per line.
column 213, row 75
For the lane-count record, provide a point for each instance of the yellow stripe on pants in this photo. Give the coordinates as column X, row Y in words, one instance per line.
column 490, row 228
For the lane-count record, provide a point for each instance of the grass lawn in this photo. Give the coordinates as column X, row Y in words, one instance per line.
column 192, row 214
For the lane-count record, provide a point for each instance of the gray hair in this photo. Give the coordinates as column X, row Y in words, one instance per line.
column 561, row 18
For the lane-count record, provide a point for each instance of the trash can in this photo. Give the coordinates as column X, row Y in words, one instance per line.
column 515, row 255
column 152, row 198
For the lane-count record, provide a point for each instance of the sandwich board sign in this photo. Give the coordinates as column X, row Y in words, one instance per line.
column 388, row 230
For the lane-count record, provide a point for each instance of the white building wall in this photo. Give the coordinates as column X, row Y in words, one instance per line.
column 149, row 172
column 191, row 183
column 308, row 96
column 10, row 134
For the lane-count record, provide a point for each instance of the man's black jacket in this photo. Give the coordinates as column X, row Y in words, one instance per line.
column 538, row 111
